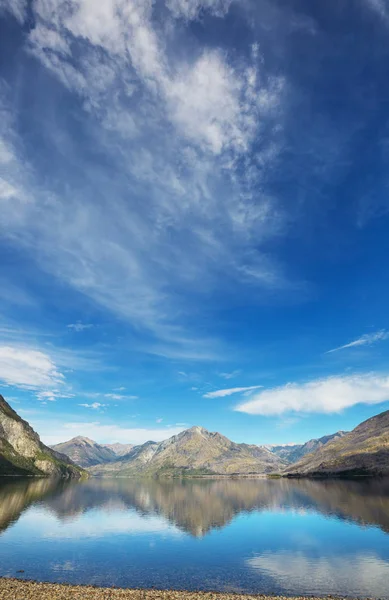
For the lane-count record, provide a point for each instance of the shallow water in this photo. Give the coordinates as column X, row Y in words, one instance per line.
column 271, row 536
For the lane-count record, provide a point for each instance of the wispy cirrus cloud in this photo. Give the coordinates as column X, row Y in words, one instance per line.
column 112, row 396
column 94, row 405
column 380, row 7
column 192, row 9
column 327, row 395
column 230, row 391
column 16, row 7
column 185, row 207
column 52, row 395
column 78, row 327
column 28, row 368
column 365, row 340
column 230, row 375
column 43, row 370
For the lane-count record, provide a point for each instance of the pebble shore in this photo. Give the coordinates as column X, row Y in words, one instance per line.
column 16, row 589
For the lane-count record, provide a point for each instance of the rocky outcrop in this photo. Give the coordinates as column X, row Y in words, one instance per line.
column 193, row 452
column 22, row 452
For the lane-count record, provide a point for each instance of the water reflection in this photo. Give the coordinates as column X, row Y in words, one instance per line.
column 272, row 536
column 198, row 506
column 364, row 574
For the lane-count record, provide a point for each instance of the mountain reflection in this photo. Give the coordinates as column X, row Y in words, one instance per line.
column 198, row 506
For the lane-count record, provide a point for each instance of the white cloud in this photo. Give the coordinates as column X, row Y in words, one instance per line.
column 79, row 326
column 191, row 9
column 230, row 391
column 176, row 129
column 54, row 432
column 52, row 395
column 94, row 405
column 120, row 397
column 380, row 7
column 7, row 191
column 158, row 420
column 28, row 368
column 230, row 375
column 206, row 106
column 328, row 395
column 367, row 339
column 16, row 7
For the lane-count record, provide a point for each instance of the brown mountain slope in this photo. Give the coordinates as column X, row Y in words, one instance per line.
column 363, row 451
column 22, row 452
column 85, row 452
column 195, row 451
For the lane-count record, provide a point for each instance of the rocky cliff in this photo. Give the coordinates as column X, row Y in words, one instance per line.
column 22, row 452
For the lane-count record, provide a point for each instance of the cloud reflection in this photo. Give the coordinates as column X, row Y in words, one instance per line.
column 361, row 574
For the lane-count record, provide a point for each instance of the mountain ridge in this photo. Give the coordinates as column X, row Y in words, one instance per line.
column 118, row 448
column 23, row 453
column 364, row 451
column 85, row 452
column 194, row 451
column 293, row 452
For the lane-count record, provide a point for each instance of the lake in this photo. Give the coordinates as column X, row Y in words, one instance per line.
column 254, row 535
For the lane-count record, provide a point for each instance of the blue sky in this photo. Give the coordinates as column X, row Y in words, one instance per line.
column 194, row 216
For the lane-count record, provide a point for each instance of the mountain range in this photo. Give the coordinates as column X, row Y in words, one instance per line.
column 22, row 452
column 87, row 453
column 173, row 455
column 119, row 449
column 194, row 452
column 291, row 453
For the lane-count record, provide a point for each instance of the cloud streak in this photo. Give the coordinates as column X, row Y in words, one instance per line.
column 78, row 327
column 230, row 391
column 328, row 395
column 365, row 340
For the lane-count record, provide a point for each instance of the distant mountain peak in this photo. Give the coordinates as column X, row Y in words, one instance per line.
column 197, row 429
column 85, row 452
column 85, row 440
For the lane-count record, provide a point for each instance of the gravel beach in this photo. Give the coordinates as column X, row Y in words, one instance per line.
column 15, row 589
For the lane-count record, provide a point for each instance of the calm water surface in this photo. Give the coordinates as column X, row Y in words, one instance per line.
column 290, row 537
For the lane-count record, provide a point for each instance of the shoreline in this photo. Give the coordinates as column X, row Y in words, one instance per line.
column 21, row 589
